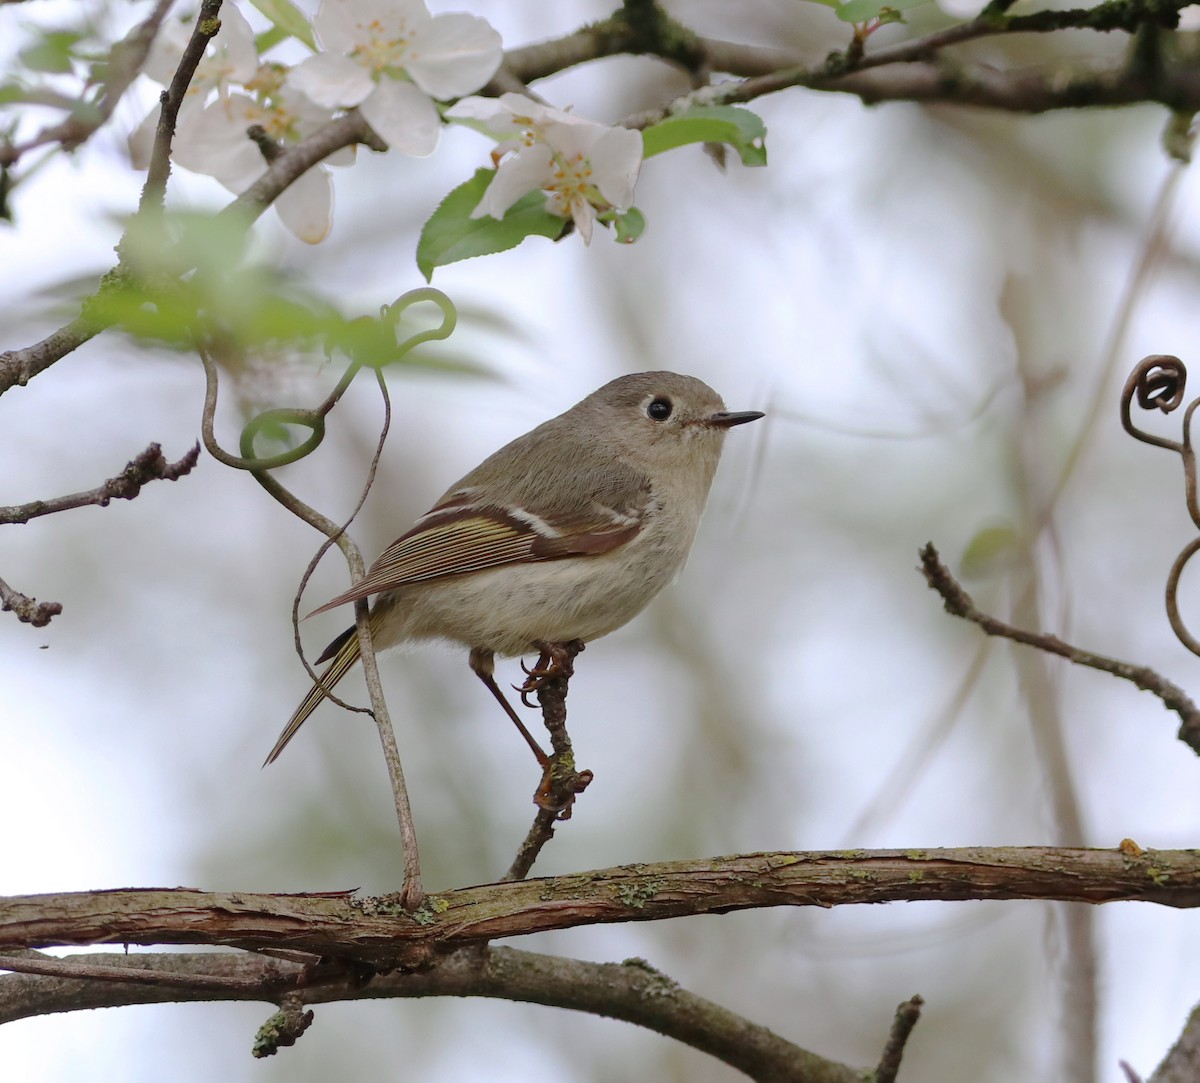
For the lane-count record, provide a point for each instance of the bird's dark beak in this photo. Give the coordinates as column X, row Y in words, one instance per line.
column 726, row 419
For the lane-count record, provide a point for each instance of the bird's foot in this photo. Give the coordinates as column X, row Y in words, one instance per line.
column 555, row 662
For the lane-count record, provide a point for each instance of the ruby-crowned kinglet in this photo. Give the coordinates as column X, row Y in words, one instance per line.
column 564, row 534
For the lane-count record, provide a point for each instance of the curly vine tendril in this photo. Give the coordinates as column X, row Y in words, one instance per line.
column 377, row 346
column 1158, row 381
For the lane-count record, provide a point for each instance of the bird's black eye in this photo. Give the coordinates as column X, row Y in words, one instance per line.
column 659, row 409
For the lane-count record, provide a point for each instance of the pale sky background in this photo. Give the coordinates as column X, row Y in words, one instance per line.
column 885, row 289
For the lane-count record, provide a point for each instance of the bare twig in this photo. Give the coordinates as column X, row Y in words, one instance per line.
column 906, row 1018
column 159, row 171
column 958, row 602
column 150, row 465
column 28, row 610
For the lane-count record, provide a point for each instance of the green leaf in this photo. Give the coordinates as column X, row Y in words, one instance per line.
column 740, row 128
column 451, row 234
column 886, row 11
column 53, row 52
column 630, row 225
column 288, row 18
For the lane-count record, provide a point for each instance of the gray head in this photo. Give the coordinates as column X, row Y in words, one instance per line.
column 660, row 418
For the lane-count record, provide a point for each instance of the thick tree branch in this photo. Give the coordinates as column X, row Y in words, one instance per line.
column 378, row 930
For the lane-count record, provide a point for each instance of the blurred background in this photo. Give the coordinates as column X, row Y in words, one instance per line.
column 927, row 302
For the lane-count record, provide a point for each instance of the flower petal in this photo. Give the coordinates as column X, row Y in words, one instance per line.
column 306, row 206
column 404, row 117
column 453, row 54
column 343, row 25
column 331, row 81
column 235, row 44
column 583, row 215
column 524, row 172
column 214, row 142
column 616, row 159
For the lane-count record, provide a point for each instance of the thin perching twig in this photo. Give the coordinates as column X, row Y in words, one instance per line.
column 561, row 782
column 959, row 603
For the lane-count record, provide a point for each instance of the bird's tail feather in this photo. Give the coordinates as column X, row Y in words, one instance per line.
column 344, row 653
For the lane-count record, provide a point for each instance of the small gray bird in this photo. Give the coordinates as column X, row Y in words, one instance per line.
column 564, row 534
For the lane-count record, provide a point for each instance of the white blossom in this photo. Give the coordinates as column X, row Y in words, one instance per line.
column 392, row 58
column 582, row 166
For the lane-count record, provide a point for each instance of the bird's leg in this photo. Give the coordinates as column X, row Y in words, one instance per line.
column 483, row 664
column 555, row 660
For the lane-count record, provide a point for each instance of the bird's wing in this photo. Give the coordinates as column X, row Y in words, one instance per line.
column 462, row 535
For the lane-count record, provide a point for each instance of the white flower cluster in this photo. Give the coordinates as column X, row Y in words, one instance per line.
column 394, row 61
column 583, row 167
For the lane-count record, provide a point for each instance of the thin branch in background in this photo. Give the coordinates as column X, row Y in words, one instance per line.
column 1151, row 255
column 1077, row 973
column 907, row 1014
column 919, row 752
column 28, row 610
column 125, row 61
column 148, row 466
column 958, row 603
